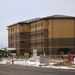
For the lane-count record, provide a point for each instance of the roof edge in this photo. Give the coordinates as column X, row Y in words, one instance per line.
column 44, row 18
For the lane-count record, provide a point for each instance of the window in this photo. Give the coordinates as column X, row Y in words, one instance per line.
column 41, row 23
column 12, row 37
column 49, row 32
column 42, row 33
column 21, row 33
column 49, row 42
column 21, row 41
column 32, row 26
column 12, row 30
column 36, row 24
column 17, row 27
column 21, row 50
column 21, row 24
column 49, row 22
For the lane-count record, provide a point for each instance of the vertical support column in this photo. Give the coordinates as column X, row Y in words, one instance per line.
column 52, row 39
column 74, row 34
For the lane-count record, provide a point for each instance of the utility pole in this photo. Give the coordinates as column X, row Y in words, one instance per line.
column 1, row 46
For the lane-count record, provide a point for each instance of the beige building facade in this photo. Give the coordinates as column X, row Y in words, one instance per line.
column 50, row 35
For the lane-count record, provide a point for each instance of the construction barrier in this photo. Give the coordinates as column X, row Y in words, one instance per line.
column 12, row 61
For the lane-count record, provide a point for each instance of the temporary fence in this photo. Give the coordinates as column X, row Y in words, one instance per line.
column 57, row 59
column 64, row 60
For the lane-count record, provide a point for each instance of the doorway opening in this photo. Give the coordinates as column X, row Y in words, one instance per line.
column 63, row 51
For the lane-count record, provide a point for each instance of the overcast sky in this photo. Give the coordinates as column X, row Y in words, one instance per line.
column 12, row 11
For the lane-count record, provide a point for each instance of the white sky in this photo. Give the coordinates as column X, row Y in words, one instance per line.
column 12, row 11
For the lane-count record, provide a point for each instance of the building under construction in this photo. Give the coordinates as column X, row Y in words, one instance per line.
column 50, row 35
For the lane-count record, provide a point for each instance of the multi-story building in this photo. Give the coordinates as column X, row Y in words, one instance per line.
column 51, row 35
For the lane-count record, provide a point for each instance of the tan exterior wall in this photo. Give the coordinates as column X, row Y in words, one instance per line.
column 61, row 34
column 16, row 34
column 40, row 25
column 63, row 28
column 44, row 34
column 45, row 23
column 50, row 28
column 24, row 28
